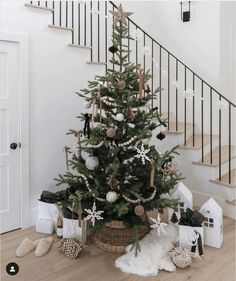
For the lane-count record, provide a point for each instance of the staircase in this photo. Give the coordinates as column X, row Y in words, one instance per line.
column 199, row 118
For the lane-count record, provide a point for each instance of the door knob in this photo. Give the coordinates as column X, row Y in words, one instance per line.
column 13, row 145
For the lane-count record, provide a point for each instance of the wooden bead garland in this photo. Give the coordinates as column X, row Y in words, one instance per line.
column 145, row 200
column 127, row 142
column 90, row 190
column 108, row 102
column 95, row 145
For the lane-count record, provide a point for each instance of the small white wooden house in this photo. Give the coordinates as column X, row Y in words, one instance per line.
column 213, row 224
column 185, row 196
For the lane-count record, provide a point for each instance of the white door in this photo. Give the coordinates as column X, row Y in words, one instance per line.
column 9, row 136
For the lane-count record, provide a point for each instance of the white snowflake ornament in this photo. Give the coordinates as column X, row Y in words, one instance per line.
column 136, row 34
column 158, row 225
column 189, row 94
column 93, row 214
column 142, row 154
column 221, row 104
column 147, row 50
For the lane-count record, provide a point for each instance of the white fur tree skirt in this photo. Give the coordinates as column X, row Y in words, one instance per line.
column 153, row 254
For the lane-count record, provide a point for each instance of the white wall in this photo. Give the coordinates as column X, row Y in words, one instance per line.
column 228, row 49
column 206, row 43
column 196, row 42
column 56, row 72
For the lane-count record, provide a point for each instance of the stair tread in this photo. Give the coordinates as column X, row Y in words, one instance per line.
column 80, row 46
column 39, row 7
column 181, row 127
column 233, row 202
column 198, row 141
column 225, row 179
column 60, row 27
column 215, row 156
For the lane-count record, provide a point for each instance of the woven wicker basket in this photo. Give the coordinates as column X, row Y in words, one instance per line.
column 115, row 237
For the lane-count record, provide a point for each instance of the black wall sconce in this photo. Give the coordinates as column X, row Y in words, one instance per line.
column 185, row 15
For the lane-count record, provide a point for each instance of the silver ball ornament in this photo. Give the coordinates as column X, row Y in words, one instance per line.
column 84, row 155
column 120, row 117
column 91, row 163
column 87, row 104
column 111, row 196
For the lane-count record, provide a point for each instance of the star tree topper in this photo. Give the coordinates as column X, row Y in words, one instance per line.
column 120, row 15
column 93, row 214
column 158, row 225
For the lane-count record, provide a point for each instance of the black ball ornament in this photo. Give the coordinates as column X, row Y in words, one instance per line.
column 113, row 49
column 160, row 136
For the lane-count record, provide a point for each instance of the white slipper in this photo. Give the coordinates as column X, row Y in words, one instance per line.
column 26, row 246
column 43, row 246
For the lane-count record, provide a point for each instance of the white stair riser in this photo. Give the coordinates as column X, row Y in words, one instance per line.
column 203, row 185
column 197, row 153
column 228, row 209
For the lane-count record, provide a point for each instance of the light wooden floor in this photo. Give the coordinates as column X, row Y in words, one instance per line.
column 96, row 265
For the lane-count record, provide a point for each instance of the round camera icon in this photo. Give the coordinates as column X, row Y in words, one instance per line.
column 12, row 268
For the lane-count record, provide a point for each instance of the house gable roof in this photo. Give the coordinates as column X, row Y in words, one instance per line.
column 183, row 191
column 212, row 206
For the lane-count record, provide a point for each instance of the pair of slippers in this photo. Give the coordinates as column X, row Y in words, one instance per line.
column 41, row 247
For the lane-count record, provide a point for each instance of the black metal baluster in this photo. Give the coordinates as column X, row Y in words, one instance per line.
column 168, row 90
column 60, row 13
column 66, row 13
column 91, row 30
column 193, row 110
column 211, row 125
column 106, row 33
column 72, row 21
column 229, row 143
column 46, row 4
column 136, row 47
column 160, row 80
column 176, row 95
column 98, row 6
column 144, row 55
column 219, row 138
column 79, row 25
column 128, row 40
column 38, row 3
column 85, row 24
column 53, row 13
column 202, row 121
column 152, row 71
column 113, row 29
column 185, row 106
column 31, row 2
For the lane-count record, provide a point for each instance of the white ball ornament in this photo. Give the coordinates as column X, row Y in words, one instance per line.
column 92, row 163
column 87, row 104
column 120, row 117
column 85, row 155
column 111, row 196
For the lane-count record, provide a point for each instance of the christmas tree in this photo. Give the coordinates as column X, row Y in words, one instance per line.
column 113, row 170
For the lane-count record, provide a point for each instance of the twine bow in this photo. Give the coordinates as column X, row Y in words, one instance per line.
column 152, row 173
column 66, row 149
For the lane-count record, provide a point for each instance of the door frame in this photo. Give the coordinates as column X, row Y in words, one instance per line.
column 22, row 40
